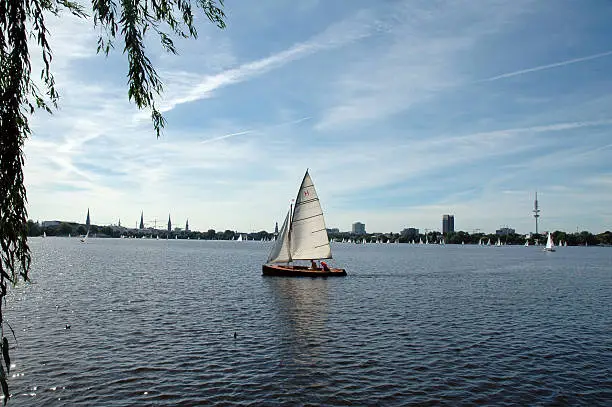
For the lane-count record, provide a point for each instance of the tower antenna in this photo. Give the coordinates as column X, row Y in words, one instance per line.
column 536, row 211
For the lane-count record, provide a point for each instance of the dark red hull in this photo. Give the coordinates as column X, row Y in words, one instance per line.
column 283, row 270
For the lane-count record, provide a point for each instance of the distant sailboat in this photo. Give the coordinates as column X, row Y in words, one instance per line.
column 498, row 242
column 239, row 239
column 303, row 236
column 44, row 234
column 526, row 243
column 84, row 239
column 550, row 246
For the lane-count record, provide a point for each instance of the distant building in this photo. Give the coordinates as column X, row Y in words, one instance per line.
column 359, row 228
column 448, row 223
column 141, row 221
column 169, row 224
column 187, row 226
column 505, row 231
column 48, row 223
column 333, row 230
column 410, row 232
column 276, row 229
column 87, row 221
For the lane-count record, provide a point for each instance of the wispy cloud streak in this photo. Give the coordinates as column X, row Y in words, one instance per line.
column 360, row 26
column 250, row 131
column 549, row 66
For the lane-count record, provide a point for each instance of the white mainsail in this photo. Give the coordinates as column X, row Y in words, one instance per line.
column 303, row 235
column 308, row 239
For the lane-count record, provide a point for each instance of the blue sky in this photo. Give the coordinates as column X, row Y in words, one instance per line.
column 402, row 110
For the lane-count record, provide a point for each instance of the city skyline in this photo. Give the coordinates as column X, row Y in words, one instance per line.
column 403, row 112
column 448, row 225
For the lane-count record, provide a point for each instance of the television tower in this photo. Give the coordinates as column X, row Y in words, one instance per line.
column 536, row 211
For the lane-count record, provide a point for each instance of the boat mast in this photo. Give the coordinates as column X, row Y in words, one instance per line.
column 289, row 231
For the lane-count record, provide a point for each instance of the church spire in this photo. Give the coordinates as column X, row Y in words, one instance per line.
column 141, row 220
column 87, row 221
column 187, row 226
column 169, row 224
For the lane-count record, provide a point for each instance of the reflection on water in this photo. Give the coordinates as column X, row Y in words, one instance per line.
column 153, row 323
column 302, row 305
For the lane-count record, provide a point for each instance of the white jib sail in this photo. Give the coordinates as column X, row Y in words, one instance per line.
column 280, row 250
column 309, row 238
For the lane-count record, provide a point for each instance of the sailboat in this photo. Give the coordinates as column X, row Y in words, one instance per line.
column 84, row 239
column 303, row 236
column 550, row 246
column 526, row 243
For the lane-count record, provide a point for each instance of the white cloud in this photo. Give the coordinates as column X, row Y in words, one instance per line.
column 419, row 60
column 358, row 26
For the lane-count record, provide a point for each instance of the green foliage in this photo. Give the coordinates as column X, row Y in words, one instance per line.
column 131, row 22
column 64, row 229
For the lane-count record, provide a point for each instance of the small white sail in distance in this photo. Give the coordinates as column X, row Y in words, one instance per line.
column 549, row 243
column 305, row 236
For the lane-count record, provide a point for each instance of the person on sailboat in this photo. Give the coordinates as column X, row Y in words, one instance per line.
column 313, row 265
column 324, row 265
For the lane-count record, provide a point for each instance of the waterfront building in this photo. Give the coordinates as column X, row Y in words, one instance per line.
column 505, row 231
column 359, row 228
column 410, row 233
column 448, row 223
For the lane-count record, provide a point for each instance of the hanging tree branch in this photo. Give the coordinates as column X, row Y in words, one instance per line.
column 22, row 21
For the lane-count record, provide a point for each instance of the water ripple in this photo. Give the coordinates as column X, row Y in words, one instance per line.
column 153, row 322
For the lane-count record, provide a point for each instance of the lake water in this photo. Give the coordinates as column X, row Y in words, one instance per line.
column 153, row 322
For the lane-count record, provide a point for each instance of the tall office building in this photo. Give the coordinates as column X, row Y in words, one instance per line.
column 448, row 223
column 359, row 228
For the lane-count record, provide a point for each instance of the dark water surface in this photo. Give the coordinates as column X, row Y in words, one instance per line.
column 153, row 322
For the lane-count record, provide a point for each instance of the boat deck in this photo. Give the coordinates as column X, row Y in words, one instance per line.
column 300, row 271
